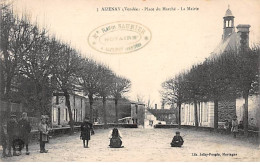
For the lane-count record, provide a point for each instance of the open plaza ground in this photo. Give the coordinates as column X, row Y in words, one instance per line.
column 144, row 145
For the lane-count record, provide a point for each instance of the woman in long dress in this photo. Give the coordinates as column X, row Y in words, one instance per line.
column 86, row 128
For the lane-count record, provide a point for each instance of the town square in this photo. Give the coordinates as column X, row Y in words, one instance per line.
column 172, row 81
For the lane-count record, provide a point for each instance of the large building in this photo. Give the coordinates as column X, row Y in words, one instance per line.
column 231, row 40
column 60, row 114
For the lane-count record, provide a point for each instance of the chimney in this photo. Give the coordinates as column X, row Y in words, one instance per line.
column 243, row 34
column 155, row 106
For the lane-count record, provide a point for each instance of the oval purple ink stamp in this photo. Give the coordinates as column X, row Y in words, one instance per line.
column 119, row 37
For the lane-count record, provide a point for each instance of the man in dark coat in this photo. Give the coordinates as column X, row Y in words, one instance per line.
column 13, row 134
column 85, row 128
column 25, row 128
column 177, row 140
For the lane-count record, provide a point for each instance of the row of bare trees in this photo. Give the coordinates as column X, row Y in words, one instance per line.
column 35, row 64
column 228, row 75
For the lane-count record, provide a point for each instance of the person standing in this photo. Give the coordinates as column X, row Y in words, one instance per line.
column 25, row 128
column 44, row 131
column 13, row 133
column 4, row 138
column 234, row 128
column 226, row 127
column 85, row 128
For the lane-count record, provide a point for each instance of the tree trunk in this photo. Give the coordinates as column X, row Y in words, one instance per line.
column 245, row 120
column 216, row 115
column 179, row 114
column 39, row 91
column 91, row 101
column 71, row 122
column 104, row 111
column 116, row 107
column 196, row 114
column 7, row 95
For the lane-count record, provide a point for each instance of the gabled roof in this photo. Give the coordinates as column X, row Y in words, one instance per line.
column 230, row 43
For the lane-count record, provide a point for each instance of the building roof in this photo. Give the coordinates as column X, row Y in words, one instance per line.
column 230, row 43
column 229, row 13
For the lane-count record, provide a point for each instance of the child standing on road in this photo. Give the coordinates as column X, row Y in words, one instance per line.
column 86, row 128
column 25, row 129
column 4, row 138
column 177, row 140
column 234, row 128
column 226, row 127
column 13, row 135
column 44, row 130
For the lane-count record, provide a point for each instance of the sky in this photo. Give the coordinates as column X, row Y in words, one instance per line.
column 179, row 38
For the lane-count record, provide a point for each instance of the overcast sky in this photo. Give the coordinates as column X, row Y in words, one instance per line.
column 179, row 38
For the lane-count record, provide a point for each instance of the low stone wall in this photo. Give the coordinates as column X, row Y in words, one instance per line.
column 166, row 126
column 112, row 125
column 66, row 130
column 251, row 133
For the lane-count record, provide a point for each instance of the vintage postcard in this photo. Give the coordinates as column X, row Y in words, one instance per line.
column 130, row 81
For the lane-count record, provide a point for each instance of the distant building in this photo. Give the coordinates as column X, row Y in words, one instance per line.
column 124, row 109
column 164, row 115
column 150, row 120
column 138, row 113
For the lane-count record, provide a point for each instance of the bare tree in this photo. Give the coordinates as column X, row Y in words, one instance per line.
column 17, row 37
column 105, row 81
column 68, row 63
column 88, row 79
column 120, row 86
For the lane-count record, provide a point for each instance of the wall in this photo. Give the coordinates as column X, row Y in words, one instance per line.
column 138, row 113
column 253, row 110
column 205, row 114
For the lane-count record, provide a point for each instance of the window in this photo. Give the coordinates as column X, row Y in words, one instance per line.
column 65, row 114
column 80, row 114
column 75, row 115
column 182, row 114
column 57, row 100
column 201, row 112
column 74, row 100
column 58, row 116
column 54, row 115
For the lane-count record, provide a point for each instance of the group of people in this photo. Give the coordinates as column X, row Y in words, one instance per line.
column 233, row 126
column 115, row 136
column 15, row 134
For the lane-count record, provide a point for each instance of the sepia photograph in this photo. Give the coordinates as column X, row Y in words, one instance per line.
column 129, row 81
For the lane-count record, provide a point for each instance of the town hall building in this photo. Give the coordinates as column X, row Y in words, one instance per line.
column 232, row 40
